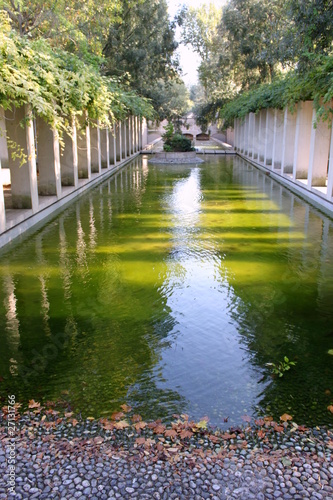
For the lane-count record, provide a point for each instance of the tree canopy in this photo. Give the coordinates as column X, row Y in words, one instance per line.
column 254, row 47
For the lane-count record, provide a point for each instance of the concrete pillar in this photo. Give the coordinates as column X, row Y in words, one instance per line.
column 49, row 170
column 69, row 166
column 251, row 132
column 269, row 137
column 132, row 133
column 144, row 133
column 140, row 133
column 83, row 148
column 330, row 171
column 302, row 140
column 255, row 137
column 2, row 207
column 262, row 135
column 130, row 136
column 128, row 144
column 319, row 152
column 113, row 145
column 104, row 136
column 246, row 135
column 23, row 178
column 278, row 139
column 119, row 150
column 236, row 134
column 288, row 142
column 95, row 148
column 124, row 139
column 3, row 139
column 136, row 140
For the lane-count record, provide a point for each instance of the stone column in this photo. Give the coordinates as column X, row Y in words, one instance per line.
column 144, row 141
column 269, row 137
column 104, row 135
column 330, row 171
column 136, row 135
column 140, row 133
column 130, row 138
column 23, row 178
column 49, row 178
column 119, row 146
column 251, row 132
column 124, row 139
column 83, row 148
column 262, row 135
column 2, row 207
column 113, row 145
column 302, row 140
column 288, row 142
column 319, row 152
column 255, row 147
column 69, row 167
column 95, row 148
column 278, row 139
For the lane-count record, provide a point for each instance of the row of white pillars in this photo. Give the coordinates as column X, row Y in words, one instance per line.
column 294, row 145
column 86, row 151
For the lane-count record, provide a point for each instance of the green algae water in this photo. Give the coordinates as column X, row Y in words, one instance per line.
column 170, row 288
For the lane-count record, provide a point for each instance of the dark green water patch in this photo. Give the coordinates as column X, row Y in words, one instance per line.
column 170, row 288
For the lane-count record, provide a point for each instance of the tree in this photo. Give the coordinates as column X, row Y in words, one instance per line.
column 171, row 100
column 76, row 26
column 141, row 44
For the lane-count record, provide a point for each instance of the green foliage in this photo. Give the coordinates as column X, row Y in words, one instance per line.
column 57, row 84
column 281, row 367
column 174, row 141
column 140, row 45
column 316, row 84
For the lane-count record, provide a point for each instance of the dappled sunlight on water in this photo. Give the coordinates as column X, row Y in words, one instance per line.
column 170, row 288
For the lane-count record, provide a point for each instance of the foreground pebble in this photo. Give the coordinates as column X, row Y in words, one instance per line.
column 63, row 458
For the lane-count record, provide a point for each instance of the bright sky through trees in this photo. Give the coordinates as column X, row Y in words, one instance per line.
column 189, row 60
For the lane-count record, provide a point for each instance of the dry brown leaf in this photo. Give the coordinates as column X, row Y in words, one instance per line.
column 68, row 415
column 330, row 408
column 33, row 404
column 74, row 422
column 126, row 408
column 136, row 418
column 140, row 425
column 170, row 433
column 159, row 429
column 117, row 415
column 285, row 417
column 186, row 434
column 121, row 424
column 214, row 439
column 140, row 441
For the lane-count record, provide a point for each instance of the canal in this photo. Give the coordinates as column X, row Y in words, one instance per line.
column 174, row 289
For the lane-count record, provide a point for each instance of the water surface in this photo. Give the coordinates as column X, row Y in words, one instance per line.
column 170, row 288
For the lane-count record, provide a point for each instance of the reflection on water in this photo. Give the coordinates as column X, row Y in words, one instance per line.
column 170, row 288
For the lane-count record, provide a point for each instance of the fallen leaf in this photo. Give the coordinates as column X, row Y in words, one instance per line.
column 33, row 404
column 260, row 422
column 117, row 416
column 136, row 418
column 159, row 429
column 140, row 441
column 227, row 436
column 278, row 428
column 126, row 408
column 246, row 418
column 140, row 425
column 330, row 408
column 74, row 422
column 285, row 417
column 121, row 424
column 68, row 415
column 186, row 434
column 202, row 424
column 214, row 439
column 170, row 433
column 261, row 434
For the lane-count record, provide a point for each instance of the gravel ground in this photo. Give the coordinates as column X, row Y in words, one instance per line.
column 63, row 457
